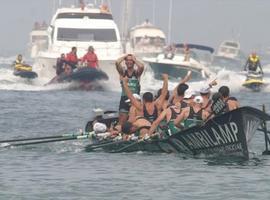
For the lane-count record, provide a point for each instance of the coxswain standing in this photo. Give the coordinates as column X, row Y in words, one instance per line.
column 133, row 76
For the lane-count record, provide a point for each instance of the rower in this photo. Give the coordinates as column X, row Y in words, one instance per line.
column 192, row 115
column 150, row 107
column 164, row 124
column 133, row 111
column 140, row 128
column 231, row 102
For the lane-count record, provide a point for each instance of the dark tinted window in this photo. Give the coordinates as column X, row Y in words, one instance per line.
column 102, row 35
column 232, row 44
column 82, row 15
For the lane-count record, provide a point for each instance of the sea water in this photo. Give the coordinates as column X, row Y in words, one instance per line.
column 63, row 170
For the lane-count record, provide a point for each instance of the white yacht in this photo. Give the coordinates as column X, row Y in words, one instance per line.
column 176, row 63
column 229, row 49
column 229, row 56
column 81, row 27
column 145, row 40
column 38, row 39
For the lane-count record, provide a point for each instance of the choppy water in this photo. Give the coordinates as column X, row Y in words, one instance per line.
column 64, row 170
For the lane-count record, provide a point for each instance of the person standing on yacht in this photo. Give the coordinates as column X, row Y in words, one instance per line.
column 186, row 53
column 72, row 58
column 133, row 82
column 90, row 58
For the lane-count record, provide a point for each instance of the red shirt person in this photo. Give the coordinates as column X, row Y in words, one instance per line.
column 72, row 58
column 90, row 58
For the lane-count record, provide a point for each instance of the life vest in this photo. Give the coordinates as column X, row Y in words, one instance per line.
column 253, row 60
column 19, row 66
column 133, row 83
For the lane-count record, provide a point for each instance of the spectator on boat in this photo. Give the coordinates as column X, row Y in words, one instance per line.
column 186, row 53
column 133, row 76
column 90, row 58
column 67, row 69
column 72, row 58
column 149, row 107
column 253, row 63
column 231, row 102
column 60, row 64
column 170, row 51
column 104, row 9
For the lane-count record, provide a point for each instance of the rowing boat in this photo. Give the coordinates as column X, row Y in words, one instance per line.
column 227, row 134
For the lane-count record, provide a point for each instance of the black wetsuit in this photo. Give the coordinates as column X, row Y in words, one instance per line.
column 150, row 117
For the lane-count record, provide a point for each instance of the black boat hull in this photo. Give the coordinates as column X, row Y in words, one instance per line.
column 26, row 74
column 82, row 75
column 226, row 134
column 86, row 74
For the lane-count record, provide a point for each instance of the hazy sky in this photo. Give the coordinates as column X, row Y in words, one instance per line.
column 196, row 21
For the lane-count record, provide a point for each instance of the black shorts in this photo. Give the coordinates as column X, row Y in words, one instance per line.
column 124, row 106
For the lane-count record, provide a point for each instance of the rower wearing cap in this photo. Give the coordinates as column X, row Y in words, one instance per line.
column 133, row 111
column 192, row 115
column 205, row 93
column 207, row 102
column 151, row 108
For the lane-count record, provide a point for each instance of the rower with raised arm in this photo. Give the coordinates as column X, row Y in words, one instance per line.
column 151, row 108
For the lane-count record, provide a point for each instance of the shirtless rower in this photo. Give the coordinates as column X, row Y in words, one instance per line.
column 149, row 107
column 231, row 102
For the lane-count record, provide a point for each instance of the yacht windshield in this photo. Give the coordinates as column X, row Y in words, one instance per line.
column 99, row 35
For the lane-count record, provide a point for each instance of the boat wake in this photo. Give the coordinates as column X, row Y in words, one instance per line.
column 148, row 83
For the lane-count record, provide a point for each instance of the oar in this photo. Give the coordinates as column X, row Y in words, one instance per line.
column 43, row 138
column 48, row 141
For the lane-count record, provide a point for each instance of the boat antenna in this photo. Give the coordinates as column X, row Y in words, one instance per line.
column 125, row 21
column 170, row 21
column 154, row 12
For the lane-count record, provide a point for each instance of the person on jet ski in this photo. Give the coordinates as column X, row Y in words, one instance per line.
column 253, row 63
